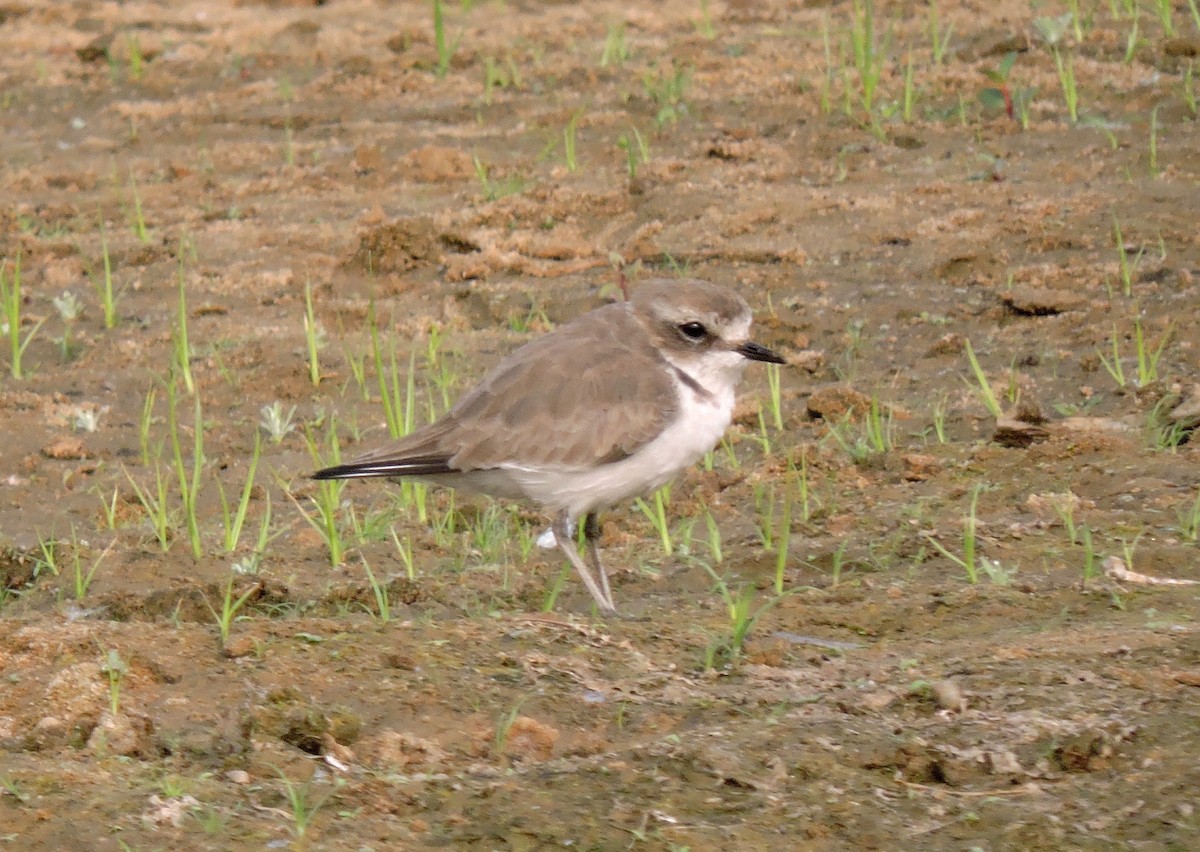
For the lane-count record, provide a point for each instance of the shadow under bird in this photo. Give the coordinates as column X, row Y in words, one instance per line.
column 607, row 407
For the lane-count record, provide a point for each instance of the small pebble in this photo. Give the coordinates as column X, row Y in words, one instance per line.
column 948, row 696
column 240, row 646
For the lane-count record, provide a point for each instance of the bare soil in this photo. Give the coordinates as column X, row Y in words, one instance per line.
column 247, row 150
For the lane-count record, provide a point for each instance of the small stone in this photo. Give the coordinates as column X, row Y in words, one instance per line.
column 877, row 701
column 833, row 403
column 1189, row 678
column 95, row 50
column 288, row 716
column 238, row 776
column 948, row 696
column 367, row 158
column 529, row 738
column 165, row 811
column 918, row 466
column 437, row 164
column 1186, row 48
column 948, row 344
column 1187, row 412
column 335, row 751
column 908, row 142
column 808, row 360
column 49, row 732
column 65, row 448
column 240, row 646
column 1003, row 763
column 993, row 42
column 402, row 751
column 125, row 734
column 1041, row 301
column 400, row 660
column 1021, row 426
column 725, row 148
column 1087, row 751
column 767, row 652
column 344, row 724
column 356, row 66
column 398, row 246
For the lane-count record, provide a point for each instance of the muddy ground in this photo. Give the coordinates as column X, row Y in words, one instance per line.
column 245, row 151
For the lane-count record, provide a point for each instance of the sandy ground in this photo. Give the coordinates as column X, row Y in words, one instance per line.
column 817, row 660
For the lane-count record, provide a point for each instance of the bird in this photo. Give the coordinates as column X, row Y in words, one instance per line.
column 609, row 406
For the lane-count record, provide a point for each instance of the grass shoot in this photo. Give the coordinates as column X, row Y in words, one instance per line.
column 1154, row 170
column 383, row 609
column 939, row 38
column 10, row 305
column 104, row 285
column 1188, row 88
column 983, row 387
column 969, row 561
column 327, row 501
column 741, row 618
column 155, row 504
column 784, row 539
column 116, row 669
column 137, row 217
column 181, row 347
column 636, row 151
column 404, row 550
column 109, row 506
column 276, row 422
column 657, row 515
column 1189, row 519
column 189, row 478
column 233, row 521
column 69, row 309
column 399, row 408
column 314, row 337
column 48, row 560
column 616, row 48
column 84, row 575
column 230, row 606
column 775, row 395
column 667, row 90
column 1124, row 267
column 445, row 50
column 569, row 134
column 1089, row 554
column 1066, row 79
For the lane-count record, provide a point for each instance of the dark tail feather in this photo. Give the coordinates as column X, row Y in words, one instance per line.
column 429, row 466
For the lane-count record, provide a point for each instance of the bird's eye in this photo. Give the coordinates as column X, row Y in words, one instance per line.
column 693, row 330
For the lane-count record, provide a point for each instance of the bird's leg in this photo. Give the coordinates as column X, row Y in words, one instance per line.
column 591, row 534
column 567, row 544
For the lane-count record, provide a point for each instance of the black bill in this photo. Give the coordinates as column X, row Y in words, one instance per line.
column 758, row 352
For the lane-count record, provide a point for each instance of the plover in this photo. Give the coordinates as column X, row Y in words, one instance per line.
column 612, row 405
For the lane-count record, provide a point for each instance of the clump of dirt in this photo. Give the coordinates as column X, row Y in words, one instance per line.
column 398, row 246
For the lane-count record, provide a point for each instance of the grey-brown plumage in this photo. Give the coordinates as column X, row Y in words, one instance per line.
column 525, row 409
column 608, row 406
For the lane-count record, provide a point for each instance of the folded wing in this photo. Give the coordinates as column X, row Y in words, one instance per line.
column 589, row 393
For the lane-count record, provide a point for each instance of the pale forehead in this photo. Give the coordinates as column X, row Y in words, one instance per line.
column 686, row 299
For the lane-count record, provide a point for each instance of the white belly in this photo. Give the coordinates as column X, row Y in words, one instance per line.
column 701, row 422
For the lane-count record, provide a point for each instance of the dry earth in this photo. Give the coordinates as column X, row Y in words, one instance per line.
column 241, row 152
